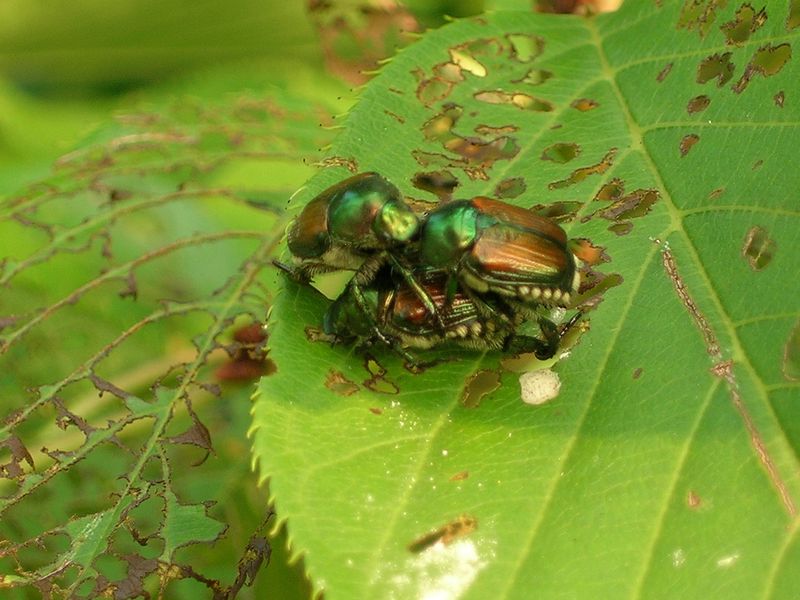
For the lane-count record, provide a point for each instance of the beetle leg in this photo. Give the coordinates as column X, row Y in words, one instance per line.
column 526, row 344
column 499, row 309
column 354, row 289
column 451, row 288
column 419, row 291
column 290, row 271
column 542, row 349
column 303, row 273
column 551, row 338
column 553, row 335
column 368, row 270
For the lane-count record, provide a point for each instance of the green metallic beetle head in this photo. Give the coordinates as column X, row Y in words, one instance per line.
column 362, row 212
column 369, row 212
column 447, row 233
column 395, row 223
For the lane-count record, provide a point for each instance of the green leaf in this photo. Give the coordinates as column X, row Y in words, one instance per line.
column 668, row 465
column 187, row 524
column 126, row 279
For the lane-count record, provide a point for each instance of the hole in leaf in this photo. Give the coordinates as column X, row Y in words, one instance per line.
column 482, row 152
column 698, row 104
column 579, row 175
column 447, row 534
column 13, row 453
column 525, row 47
column 588, row 253
column 746, row 22
column 662, row 74
column 758, row 248
column 339, row 384
column 621, row 228
column 779, row 99
column 378, row 382
column 791, row 355
column 634, row 205
column 584, row 104
column 478, row 386
column 467, row 62
column 478, row 154
column 593, row 287
column 518, row 99
column 489, row 130
column 315, row 334
column 438, row 87
column 435, row 159
column 441, row 183
column 441, row 125
column 793, row 18
column 700, row 15
column 510, row 188
column 613, row 190
column 767, row 61
column 535, row 77
column 561, row 152
column 466, row 55
column 687, row 142
column 716, row 66
column 340, row 161
column 560, row 212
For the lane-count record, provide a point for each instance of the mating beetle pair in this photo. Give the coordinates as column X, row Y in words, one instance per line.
column 469, row 271
column 396, row 316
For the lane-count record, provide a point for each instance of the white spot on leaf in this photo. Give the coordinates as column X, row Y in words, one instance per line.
column 538, row 387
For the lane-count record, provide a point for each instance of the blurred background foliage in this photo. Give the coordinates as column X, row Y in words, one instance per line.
column 66, row 65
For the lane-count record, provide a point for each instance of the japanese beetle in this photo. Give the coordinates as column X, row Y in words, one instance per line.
column 355, row 225
column 348, row 223
column 491, row 246
column 390, row 311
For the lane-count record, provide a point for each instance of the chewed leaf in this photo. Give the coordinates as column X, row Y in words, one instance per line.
column 658, row 141
column 135, row 282
column 187, row 524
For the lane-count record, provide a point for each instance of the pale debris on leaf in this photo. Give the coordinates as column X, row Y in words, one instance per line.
column 540, row 386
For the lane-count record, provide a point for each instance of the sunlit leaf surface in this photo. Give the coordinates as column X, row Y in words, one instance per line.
column 668, row 465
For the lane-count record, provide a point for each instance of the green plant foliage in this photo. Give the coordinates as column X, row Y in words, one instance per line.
column 134, row 280
column 668, row 464
column 111, row 45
